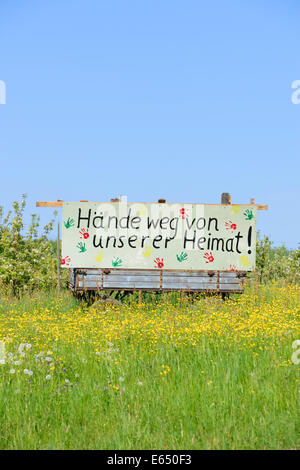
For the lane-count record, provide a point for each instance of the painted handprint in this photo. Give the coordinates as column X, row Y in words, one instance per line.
column 183, row 213
column 208, row 257
column 142, row 211
column 235, row 209
column 69, row 223
column 116, row 262
column 99, row 256
column 147, row 252
column 84, row 233
column 65, row 261
column 159, row 263
column 230, row 226
column 244, row 260
column 232, row 267
column 81, row 247
column 248, row 214
column 182, row 257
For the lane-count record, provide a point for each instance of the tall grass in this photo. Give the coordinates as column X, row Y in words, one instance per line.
column 202, row 374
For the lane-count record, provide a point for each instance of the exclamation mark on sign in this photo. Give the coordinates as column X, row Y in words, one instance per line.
column 249, row 239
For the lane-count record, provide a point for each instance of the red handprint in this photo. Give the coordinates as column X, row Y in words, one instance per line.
column 65, row 261
column 230, row 226
column 183, row 213
column 84, row 233
column 159, row 262
column 232, row 267
column 209, row 257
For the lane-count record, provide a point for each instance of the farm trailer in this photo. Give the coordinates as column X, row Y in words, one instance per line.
column 223, row 282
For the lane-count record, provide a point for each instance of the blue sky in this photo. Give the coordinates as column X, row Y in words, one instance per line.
column 181, row 100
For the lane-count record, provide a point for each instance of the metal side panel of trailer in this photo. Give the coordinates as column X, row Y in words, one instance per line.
column 156, row 280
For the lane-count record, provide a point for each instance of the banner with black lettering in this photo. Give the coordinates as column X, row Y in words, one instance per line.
column 158, row 236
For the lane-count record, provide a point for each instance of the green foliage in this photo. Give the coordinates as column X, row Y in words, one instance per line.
column 27, row 259
column 276, row 263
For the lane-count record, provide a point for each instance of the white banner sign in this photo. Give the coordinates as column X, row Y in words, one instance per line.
column 158, row 236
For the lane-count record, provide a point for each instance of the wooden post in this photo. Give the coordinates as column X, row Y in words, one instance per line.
column 58, row 258
column 163, row 295
column 225, row 198
column 58, row 252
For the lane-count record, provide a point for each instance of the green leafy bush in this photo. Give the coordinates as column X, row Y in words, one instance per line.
column 27, row 259
column 276, row 263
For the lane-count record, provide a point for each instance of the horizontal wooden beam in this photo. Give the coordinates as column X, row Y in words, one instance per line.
column 48, row 203
column 259, row 207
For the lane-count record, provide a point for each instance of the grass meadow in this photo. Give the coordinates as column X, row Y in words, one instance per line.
column 177, row 373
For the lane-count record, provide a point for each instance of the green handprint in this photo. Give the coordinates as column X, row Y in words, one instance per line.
column 182, row 257
column 81, row 247
column 116, row 262
column 249, row 214
column 69, row 223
